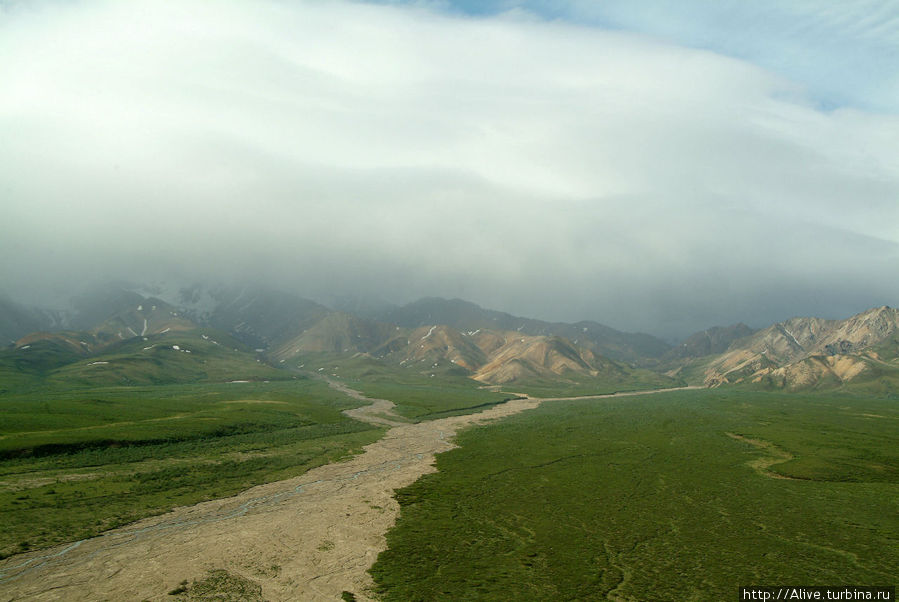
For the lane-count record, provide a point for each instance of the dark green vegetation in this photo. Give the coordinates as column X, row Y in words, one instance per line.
column 89, row 442
column 150, row 405
column 664, row 497
column 418, row 396
column 221, row 585
column 77, row 461
column 200, row 355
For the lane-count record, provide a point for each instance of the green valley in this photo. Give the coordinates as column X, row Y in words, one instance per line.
column 777, row 465
column 657, row 497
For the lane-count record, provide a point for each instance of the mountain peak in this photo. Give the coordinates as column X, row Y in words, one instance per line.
column 807, row 351
column 469, row 317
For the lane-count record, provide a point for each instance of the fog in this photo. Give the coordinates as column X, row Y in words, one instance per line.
column 544, row 167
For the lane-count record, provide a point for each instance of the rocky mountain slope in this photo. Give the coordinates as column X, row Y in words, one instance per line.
column 809, row 352
column 283, row 327
column 544, row 357
column 711, row 341
column 335, row 332
column 490, row 356
column 467, row 316
column 437, row 335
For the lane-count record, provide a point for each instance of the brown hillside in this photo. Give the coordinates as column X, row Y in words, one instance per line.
column 805, row 352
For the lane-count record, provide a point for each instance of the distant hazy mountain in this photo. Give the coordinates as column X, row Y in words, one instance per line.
column 258, row 316
column 148, row 342
column 149, row 317
column 362, row 306
column 488, row 355
column 710, row 341
column 262, row 317
column 17, row 320
column 85, row 311
column 466, row 316
column 455, row 336
column 98, row 304
column 810, row 352
column 336, row 332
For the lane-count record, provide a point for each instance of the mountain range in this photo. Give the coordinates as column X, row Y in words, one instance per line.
column 270, row 329
column 811, row 352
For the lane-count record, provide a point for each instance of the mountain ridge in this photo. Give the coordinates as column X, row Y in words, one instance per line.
column 465, row 315
column 807, row 352
column 490, row 346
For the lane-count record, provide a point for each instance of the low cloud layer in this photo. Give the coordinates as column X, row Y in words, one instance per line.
column 544, row 168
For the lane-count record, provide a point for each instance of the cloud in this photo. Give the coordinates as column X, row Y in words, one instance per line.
column 542, row 167
column 843, row 54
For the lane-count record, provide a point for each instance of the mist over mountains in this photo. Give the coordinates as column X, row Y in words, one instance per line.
column 264, row 315
column 456, row 337
column 542, row 165
column 649, row 248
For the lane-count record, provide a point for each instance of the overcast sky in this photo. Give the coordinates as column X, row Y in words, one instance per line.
column 658, row 166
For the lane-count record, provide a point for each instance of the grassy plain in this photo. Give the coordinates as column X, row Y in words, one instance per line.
column 418, row 395
column 675, row 496
column 92, row 443
column 77, row 461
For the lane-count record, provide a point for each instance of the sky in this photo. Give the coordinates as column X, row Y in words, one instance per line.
column 657, row 166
